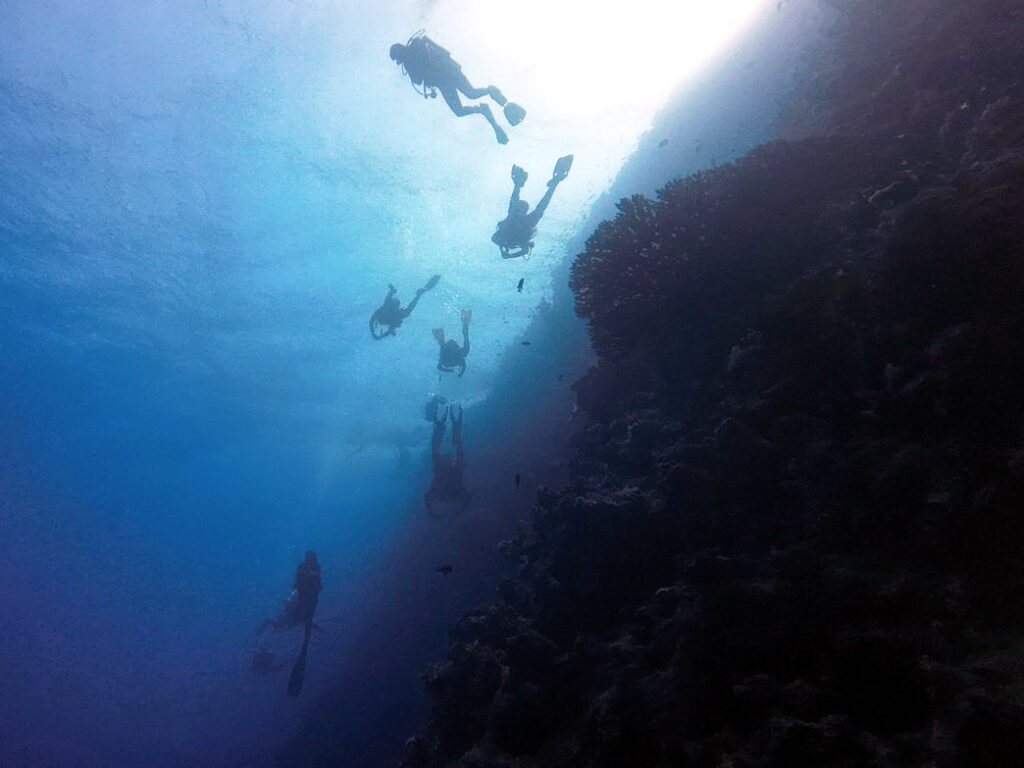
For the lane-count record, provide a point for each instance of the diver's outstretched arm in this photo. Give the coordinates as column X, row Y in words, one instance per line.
column 465, row 347
column 515, row 197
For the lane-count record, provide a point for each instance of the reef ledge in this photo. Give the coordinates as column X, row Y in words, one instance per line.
column 794, row 533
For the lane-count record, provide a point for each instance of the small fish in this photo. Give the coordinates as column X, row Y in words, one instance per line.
column 525, row 343
column 519, row 479
column 444, row 569
column 662, row 143
column 519, row 285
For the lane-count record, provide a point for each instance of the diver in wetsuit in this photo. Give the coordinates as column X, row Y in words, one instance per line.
column 298, row 610
column 300, row 606
column 388, row 317
column 433, row 69
column 453, row 357
column 515, row 233
column 447, row 486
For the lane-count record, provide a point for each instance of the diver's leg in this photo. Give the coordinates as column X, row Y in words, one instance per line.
column 460, row 451
column 412, row 304
column 514, row 198
column 463, row 84
column 542, row 204
column 435, row 441
column 419, row 292
column 451, row 97
column 465, row 336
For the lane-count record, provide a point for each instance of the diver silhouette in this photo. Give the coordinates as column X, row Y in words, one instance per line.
column 446, row 486
column 388, row 317
column 515, row 233
column 299, row 609
column 452, row 357
column 431, row 68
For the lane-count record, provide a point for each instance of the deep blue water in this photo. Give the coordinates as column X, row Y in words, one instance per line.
column 201, row 204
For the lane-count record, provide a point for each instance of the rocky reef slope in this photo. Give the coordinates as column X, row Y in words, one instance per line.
column 795, row 530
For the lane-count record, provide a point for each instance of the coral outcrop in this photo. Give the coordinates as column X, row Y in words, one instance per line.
column 794, row 534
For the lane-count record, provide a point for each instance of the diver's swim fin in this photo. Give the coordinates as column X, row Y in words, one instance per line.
column 431, row 282
column 439, row 334
column 298, row 675
column 514, row 113
column 562, row 167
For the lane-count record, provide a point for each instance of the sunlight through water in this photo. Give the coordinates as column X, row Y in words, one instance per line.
column 580, row 59
column 203, row 202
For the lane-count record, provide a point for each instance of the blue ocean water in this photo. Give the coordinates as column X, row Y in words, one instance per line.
column 201, row 205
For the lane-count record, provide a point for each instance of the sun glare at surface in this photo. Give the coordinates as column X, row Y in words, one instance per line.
column 591, row 77
column 578, row 58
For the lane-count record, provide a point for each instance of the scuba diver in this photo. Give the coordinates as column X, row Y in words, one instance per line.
column 514, row 235
column 301, row 604
column 447, row 486
column 387, row 318
column 453, row 357
column 298, row 609
column 432, row 68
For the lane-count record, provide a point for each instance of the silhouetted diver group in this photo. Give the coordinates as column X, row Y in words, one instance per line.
column 431, row 69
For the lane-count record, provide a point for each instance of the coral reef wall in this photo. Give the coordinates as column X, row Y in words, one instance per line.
column 794, row 532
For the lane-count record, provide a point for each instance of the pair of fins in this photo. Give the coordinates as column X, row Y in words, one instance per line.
column 562, row 167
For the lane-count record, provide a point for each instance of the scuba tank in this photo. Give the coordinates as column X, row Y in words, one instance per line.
column 434, row 58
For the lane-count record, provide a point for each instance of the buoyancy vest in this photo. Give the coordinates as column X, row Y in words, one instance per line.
column 427, row 63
